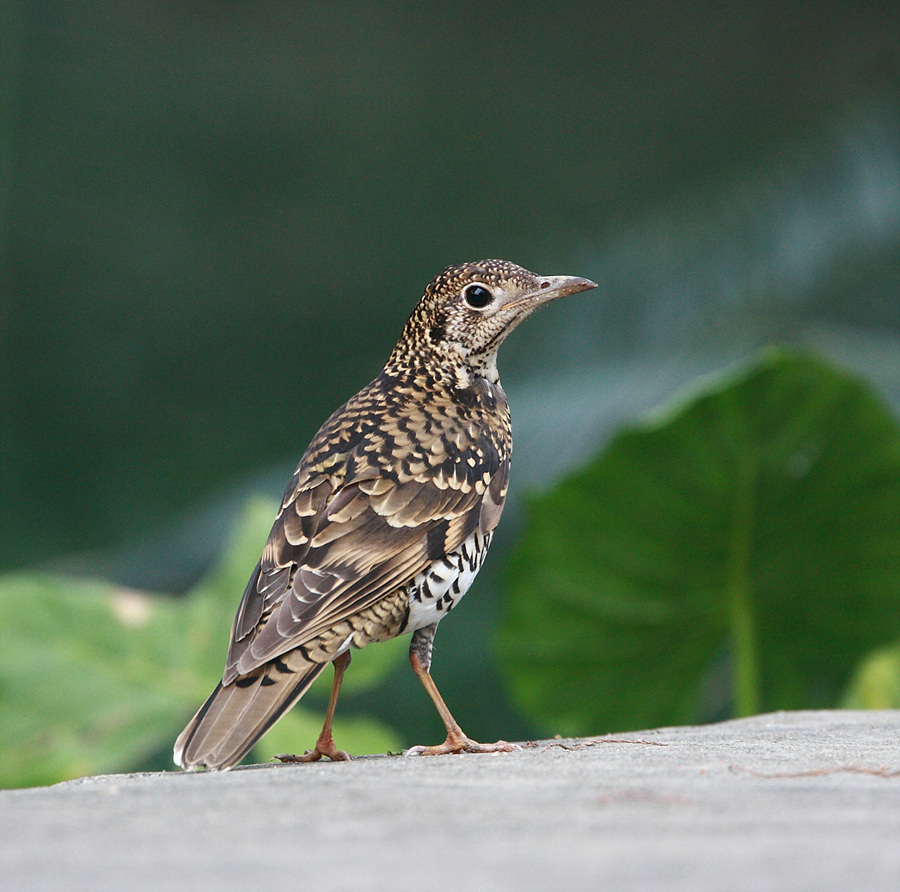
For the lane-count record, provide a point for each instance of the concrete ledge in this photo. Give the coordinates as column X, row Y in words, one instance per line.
column 794, row 801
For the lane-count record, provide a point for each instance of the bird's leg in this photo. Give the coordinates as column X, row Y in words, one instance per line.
column 420, row 651
column 325, row 745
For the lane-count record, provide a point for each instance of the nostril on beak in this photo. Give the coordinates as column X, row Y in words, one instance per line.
column 545, row 285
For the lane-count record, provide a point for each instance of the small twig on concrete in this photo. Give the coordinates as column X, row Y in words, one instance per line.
column 590, row 741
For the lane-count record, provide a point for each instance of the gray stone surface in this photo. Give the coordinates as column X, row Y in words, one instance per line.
column 793, row 801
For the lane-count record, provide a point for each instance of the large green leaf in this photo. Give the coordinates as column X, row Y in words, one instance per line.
column 755, row 528
column 96, row 678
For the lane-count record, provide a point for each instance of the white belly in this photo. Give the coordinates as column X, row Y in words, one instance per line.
column 435, row 592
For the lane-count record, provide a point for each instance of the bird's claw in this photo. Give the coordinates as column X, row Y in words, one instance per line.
column 462, row 745
column 335, row 755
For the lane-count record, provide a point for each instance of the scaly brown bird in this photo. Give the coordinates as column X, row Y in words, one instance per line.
column 386, row 520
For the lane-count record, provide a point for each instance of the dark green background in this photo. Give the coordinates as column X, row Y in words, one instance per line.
column 216, row 217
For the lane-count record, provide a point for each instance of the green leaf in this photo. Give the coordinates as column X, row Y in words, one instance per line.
column 79, row 686
column 757, row 528
column 96, row 678
column 876, row 682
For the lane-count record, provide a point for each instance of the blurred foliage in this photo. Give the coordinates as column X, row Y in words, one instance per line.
column 214, row 220
column 739, row 553
column 757, row 526
column 95, row 678
column 876, row 682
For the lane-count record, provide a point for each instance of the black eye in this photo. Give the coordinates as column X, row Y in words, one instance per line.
column 477, row 296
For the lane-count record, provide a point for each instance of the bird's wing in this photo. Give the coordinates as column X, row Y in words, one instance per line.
column 333, row 552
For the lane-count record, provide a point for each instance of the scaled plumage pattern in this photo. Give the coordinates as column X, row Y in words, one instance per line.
column 386, row 520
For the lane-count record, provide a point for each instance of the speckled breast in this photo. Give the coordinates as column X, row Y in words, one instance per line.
column 436, row 591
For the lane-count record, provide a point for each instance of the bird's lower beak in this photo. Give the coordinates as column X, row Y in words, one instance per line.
column 552, row 288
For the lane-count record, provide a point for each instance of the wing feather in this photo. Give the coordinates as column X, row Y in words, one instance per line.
column 360, row 547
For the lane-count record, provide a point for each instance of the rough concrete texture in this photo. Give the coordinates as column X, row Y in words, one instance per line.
column 792, row 801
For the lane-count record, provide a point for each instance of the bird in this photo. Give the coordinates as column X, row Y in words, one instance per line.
column 386, row 521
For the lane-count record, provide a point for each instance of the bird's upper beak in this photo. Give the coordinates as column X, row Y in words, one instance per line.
column 551, row 288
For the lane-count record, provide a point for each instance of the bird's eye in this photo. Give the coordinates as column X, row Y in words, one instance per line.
column 477, row 296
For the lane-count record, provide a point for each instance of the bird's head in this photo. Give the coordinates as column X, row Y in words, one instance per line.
column 468, row 310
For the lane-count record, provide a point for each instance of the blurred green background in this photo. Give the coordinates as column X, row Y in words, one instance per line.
column 214, row 219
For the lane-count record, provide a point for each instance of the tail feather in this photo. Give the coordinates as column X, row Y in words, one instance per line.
column 236, row 715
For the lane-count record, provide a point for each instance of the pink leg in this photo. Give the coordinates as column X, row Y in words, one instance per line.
column 456, row 741
column 325, row 745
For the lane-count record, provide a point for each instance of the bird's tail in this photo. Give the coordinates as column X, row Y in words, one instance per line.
column 236, row 715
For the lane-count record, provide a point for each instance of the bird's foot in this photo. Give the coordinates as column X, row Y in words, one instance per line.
column 462, row 744
column 323, row 748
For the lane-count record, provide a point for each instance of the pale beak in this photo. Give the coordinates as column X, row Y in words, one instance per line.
column 552, row 288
